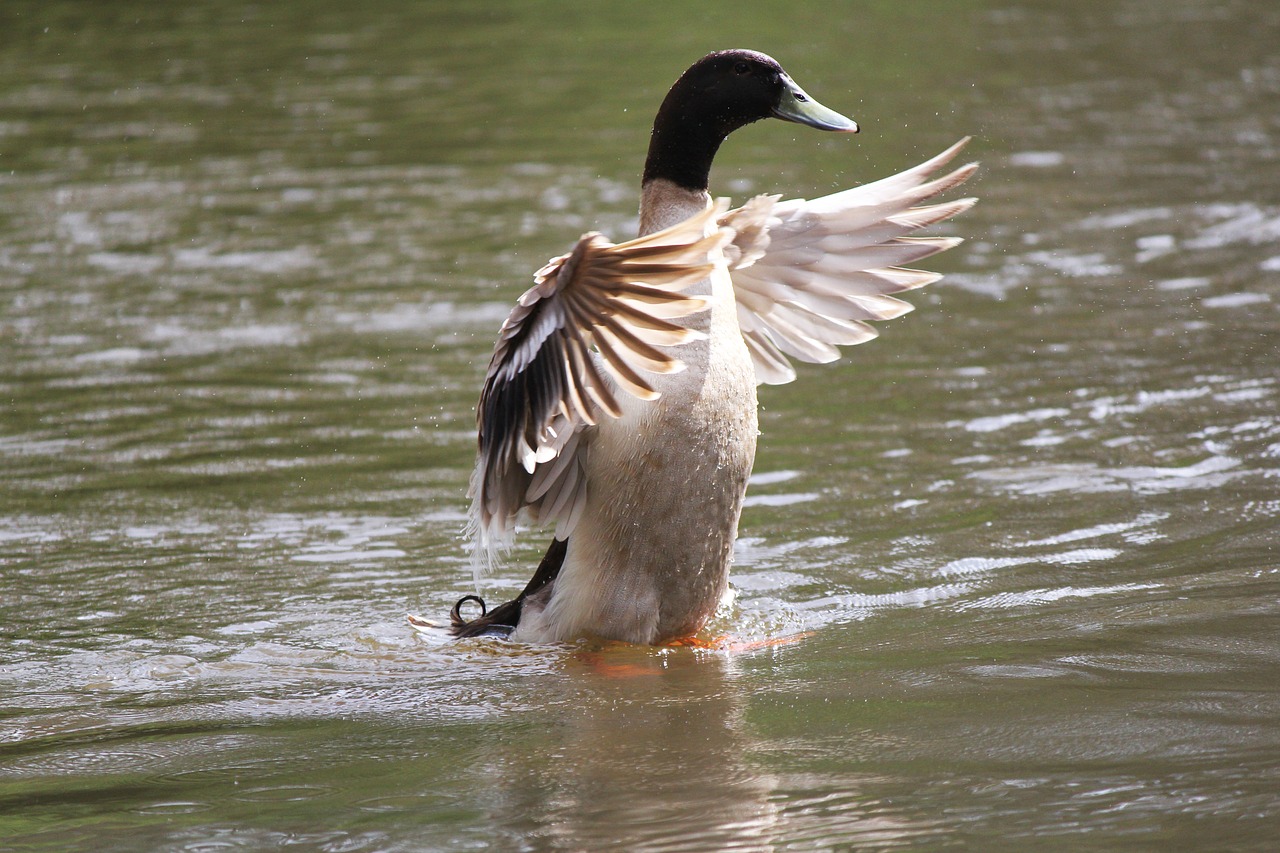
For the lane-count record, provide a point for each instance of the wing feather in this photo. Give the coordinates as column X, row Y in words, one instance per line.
column 595, row 321
column 811, row 273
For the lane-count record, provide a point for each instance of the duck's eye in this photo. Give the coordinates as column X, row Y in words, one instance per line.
column 742, row 68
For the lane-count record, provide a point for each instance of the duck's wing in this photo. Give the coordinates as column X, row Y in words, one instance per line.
column 818, row 270
column 593, row 322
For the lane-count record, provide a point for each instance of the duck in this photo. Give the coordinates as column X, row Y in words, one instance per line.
column 620, row 404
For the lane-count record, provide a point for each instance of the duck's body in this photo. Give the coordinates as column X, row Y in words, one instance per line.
column 653, row 565
column 646, row 487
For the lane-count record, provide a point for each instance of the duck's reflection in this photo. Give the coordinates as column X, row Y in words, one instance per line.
column 639, row 748
column 648, row 750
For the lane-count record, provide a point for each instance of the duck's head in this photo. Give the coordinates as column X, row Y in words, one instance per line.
column 720, row 93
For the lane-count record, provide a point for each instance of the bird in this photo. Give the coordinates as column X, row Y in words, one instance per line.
column 620, row 404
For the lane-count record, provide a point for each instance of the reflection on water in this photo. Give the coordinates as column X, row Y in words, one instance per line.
column 252, row 260
column 644, row 752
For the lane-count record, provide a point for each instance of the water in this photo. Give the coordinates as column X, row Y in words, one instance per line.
column 1008, row 575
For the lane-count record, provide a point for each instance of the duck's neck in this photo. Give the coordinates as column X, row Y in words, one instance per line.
column 686, row 136
column 682, row 147
column 664, row 203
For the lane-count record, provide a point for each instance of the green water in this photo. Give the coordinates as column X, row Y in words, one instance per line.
column 252, row 262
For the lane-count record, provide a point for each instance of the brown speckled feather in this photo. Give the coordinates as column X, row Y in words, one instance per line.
column 595, row 321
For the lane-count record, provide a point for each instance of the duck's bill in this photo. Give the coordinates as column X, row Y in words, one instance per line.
column 797, row 106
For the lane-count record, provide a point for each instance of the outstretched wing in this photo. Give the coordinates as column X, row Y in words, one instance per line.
column 829, row 265
column 594, row 320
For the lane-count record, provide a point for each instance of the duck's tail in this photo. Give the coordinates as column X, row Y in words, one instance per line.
column 502, row 620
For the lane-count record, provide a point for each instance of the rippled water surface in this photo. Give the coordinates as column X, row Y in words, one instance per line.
column 1008, row 576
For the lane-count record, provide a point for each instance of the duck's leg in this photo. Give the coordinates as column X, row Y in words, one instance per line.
column 503, row 619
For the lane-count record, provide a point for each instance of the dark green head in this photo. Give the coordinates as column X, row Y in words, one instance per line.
column 720, row 93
